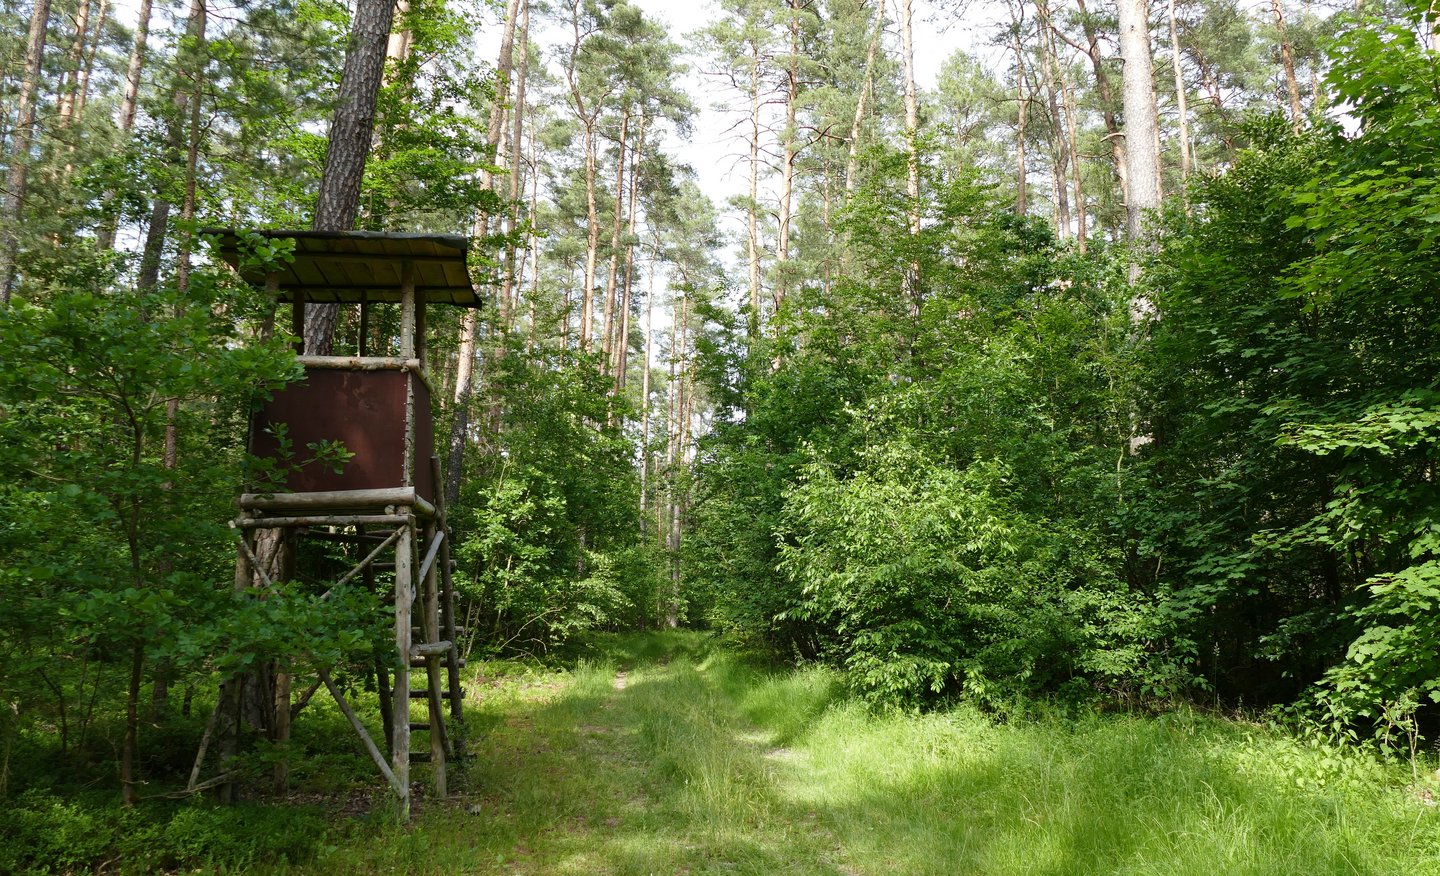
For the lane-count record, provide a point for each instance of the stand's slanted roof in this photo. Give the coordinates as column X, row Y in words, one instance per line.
column 350, row 266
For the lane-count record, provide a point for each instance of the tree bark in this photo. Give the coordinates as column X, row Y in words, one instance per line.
column 21, row 140
column 752, row 209
column 1059, row 142
column 852, row 162
column 470, row 321
column 622, row 349
column 1287, row 56
column 1182, row 104
column 1141, row 125
column 351, row 131
column 612, row 274
column 1022, row 110
column 129, row 105
column 1114, row 135
column 510, row 288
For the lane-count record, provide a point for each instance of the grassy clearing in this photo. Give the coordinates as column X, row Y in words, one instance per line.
column 660, row 755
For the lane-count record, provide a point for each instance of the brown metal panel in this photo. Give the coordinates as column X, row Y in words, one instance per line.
column 364, row 410
column 424, row 440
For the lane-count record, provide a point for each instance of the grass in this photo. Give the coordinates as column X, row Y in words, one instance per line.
column 665, row 753
column 659, row 754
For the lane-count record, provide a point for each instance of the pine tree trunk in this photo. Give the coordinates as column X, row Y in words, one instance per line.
column 470, row 321
column 753, row 323
column 612, row 273
column 1141, row 125
column 129, row 105
column 21, row 139
column 74, row 61
column 1287, row 56
column 1182, row 105
column 510, row 288
column 852, row 162
column 1059, row 143
column 1022, row 110
column 351, row 131
column 1114, row 135
column 787, row 167
column 622, row 349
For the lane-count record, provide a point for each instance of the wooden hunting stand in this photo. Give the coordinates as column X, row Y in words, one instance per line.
column 387, row 497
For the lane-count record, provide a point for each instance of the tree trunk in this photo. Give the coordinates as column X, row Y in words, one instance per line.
column 1077, row 170
column 612, row 273
column 912, row 119
column 74, row 62
column 1287, row 55
column 1114, row 135
column 752, row 209
column 787, row 167
column 129, row 105
column 1059, row 142
column 510, row 288
column 1022, row 109
column 21, row 139
column 622, row 349
column 1141, row 125
column 470, row 321
column 852, row 162
column 1182, row 104
column 351, row 131
column 645, row 380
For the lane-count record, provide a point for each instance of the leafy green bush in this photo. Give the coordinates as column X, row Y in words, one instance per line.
column 43, row 833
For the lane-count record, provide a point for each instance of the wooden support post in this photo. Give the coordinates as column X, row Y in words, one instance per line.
column 364, row 342
column 456, row 728
column 433, row 681
column 400, row 696
column 297, row 324
column 407, row 311
column 282, row 731
column 420, row 345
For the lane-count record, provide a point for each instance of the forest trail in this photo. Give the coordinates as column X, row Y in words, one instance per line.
column 665, row 755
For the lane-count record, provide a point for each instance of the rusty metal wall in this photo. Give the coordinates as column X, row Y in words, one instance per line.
column 365, row 410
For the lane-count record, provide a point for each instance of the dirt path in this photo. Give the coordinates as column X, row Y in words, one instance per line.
column 650, row 769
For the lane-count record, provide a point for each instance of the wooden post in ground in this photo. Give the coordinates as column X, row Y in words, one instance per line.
column 400, row 697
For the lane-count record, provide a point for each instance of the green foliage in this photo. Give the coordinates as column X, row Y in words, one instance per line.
column 549, row 514
column 43, row 833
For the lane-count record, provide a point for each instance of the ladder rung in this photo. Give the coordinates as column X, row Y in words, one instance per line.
column 419, row 662
column 422, row 694
column 430, row 649
column 416, row 631
column 419, row 725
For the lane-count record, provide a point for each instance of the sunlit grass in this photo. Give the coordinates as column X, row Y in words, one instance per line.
column 658, row 754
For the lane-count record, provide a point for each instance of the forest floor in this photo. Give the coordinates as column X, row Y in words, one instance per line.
column 665, row 755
